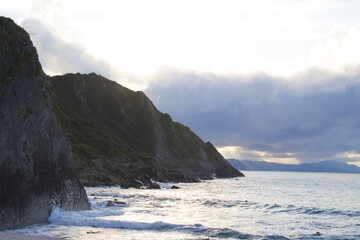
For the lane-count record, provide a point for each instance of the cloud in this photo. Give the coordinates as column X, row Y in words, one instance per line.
column 239, row 152
column 61, row 51
column 312, row 116
column 338, row 49
column 232, row 37
column 61, row 56
column 57, row 51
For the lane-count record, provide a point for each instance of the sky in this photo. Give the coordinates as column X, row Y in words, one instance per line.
column 263, row 80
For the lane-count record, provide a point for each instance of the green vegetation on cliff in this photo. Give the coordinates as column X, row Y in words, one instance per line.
column 118, row 136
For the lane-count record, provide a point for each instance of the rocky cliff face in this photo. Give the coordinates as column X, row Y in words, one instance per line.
column 119, row 137
column 36, row 165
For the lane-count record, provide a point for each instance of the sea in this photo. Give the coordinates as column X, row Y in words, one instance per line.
column 261, row 205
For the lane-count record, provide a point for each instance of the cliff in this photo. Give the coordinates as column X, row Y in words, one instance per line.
column 37, row 169
column 120, row 138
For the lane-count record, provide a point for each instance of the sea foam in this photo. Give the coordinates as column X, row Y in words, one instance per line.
column 96, row 219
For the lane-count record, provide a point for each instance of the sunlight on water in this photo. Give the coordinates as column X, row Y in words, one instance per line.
column 263, row 205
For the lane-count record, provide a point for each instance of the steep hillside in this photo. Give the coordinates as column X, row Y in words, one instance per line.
column 37, row 170
column 119, row 137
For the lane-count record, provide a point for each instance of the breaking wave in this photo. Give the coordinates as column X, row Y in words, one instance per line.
column 276, row 208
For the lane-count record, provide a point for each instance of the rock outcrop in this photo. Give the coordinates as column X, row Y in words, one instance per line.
column 120, row 138
column 37, row 170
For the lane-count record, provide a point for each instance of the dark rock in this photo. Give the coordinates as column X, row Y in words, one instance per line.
column 119, row 203
column 131, row 184
column 92, row 232
column 37, row 171
column 112, row 203
column 175, row 187
column 153, row 186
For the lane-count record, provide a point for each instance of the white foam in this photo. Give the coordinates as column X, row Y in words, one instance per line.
column 165, row 185
column 95, row 219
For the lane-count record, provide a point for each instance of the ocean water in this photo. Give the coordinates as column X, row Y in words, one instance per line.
column 263, row 205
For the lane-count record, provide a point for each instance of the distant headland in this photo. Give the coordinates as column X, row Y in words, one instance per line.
column 322, row 166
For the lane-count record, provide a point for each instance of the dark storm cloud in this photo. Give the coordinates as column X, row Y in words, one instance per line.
column 315, row 115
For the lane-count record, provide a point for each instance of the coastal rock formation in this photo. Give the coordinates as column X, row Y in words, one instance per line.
column 120, row 138
column 37, row 170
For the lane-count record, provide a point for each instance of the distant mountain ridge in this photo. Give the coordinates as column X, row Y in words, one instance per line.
column 323, row 166
column 119, row 137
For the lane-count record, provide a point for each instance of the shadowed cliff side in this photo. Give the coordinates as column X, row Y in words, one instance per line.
column 119, row 137
column 37, row 170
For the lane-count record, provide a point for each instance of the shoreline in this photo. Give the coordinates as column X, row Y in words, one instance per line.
column 7, row 236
